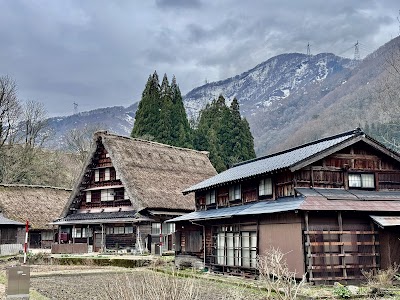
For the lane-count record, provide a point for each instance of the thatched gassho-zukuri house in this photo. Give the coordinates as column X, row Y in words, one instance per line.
column 127, row 189
column 38, row 204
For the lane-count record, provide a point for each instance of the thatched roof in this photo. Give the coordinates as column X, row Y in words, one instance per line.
column 153, row 174
column 38, row 204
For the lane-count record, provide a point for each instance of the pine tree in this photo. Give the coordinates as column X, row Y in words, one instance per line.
column 161, row 115
column 223, row 132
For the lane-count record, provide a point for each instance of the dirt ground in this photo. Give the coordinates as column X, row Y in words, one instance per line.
column 88, row 282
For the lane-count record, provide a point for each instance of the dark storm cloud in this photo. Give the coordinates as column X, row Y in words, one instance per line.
column 100, row 53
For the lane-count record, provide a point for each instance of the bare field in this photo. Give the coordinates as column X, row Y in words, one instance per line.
column 93, row 282
column 142, row 283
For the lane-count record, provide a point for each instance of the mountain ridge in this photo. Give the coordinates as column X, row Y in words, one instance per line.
column 288, row 99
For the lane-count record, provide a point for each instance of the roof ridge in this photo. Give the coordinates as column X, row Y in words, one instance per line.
column 100, row 133
column 357, row 131
column 34, row 186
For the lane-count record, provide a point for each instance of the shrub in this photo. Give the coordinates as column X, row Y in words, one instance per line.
column 276, row 277
column 382, row 278
column 341, row 291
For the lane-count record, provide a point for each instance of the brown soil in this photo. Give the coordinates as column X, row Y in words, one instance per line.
column 93, row 282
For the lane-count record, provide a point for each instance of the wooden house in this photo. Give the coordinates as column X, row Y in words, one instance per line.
column 40, row 205
column 12, row 236
column 127, row 189
column 332, row 205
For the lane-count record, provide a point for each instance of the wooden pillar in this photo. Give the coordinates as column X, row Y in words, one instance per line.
column 308, row 244
column 374, row 268
column 73, row 233
column 340, row 221
column 59, row 234
column 312, row 176
column 102, row 238
column 87, row 236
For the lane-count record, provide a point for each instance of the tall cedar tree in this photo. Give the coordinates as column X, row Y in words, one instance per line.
column 223, row 132
column 161, row 115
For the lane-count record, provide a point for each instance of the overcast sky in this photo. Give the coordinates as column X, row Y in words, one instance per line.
column 100, row 53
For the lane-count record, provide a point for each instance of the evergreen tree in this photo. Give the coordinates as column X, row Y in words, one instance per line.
column 161, row 115
column 223, row 132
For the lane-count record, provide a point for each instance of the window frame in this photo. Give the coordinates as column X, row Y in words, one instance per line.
column 358, row 178
column 265, row 187
column 235, row 192
column 211, row 197
column 236, row 248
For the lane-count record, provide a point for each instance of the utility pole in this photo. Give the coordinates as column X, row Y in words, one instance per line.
column 308, row 49
column 356, row 52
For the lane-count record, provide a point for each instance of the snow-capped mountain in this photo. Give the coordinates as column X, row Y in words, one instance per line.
column 117, row 119
column 288, row 100
column 264, row 87
column 276, row 92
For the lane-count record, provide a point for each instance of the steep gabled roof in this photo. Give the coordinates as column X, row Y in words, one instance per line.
column 291, row 159
column 37, row 204
column 153, row 174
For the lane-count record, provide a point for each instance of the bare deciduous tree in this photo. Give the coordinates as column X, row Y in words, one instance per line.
column 34, row 125
column 10, row 108
column 79, row 140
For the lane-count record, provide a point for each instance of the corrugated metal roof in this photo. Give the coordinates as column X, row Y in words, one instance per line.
column 103, row 217
column 258, row 208
column 376, row 195
column 385, row 221
column 349, row 200
column 6, row 221
column 336, row 194
column 269, row 207
column 273, row 162
column 342, row 194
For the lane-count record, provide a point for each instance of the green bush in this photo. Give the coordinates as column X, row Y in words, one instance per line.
column 341, row 291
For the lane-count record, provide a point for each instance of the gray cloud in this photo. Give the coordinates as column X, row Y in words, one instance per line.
column 100, row 53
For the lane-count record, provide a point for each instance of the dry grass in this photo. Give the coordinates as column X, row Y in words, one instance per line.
column 149, row 286
column 276, row 277
column 382, row 278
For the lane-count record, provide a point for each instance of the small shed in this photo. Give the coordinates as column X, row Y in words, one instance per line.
column 12, row 235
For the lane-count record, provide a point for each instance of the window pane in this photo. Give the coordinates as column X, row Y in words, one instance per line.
column 220, row 248
column 237, row 192
column 246, row 249
column 261, row 189
column 368, row 180
column 231, row 193
column 88, row 196
column 212, row 197
column 354, row 180
column 155, row 228
column 229, row 248
column 265, row 187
